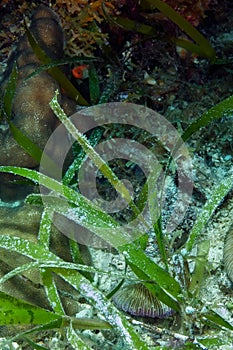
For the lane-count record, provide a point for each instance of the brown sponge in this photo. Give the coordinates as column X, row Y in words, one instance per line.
column 31, row 112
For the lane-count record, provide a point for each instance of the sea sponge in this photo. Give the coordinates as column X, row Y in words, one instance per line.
column 31, row 112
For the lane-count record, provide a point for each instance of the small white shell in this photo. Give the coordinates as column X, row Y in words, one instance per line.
column 137, row 300
column 149, row 80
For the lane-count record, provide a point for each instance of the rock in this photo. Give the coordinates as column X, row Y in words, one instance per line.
column 23, row 221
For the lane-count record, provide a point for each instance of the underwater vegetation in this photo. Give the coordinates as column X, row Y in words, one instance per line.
column 182, row 298
column 193, row 11
column 84, row 21
column 50, row 281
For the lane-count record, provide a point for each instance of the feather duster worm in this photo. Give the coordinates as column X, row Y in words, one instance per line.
column 228, row 253
column 137, row 300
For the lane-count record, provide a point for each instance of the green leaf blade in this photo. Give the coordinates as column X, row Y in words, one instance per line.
column 10, row 92
column 14, row 311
